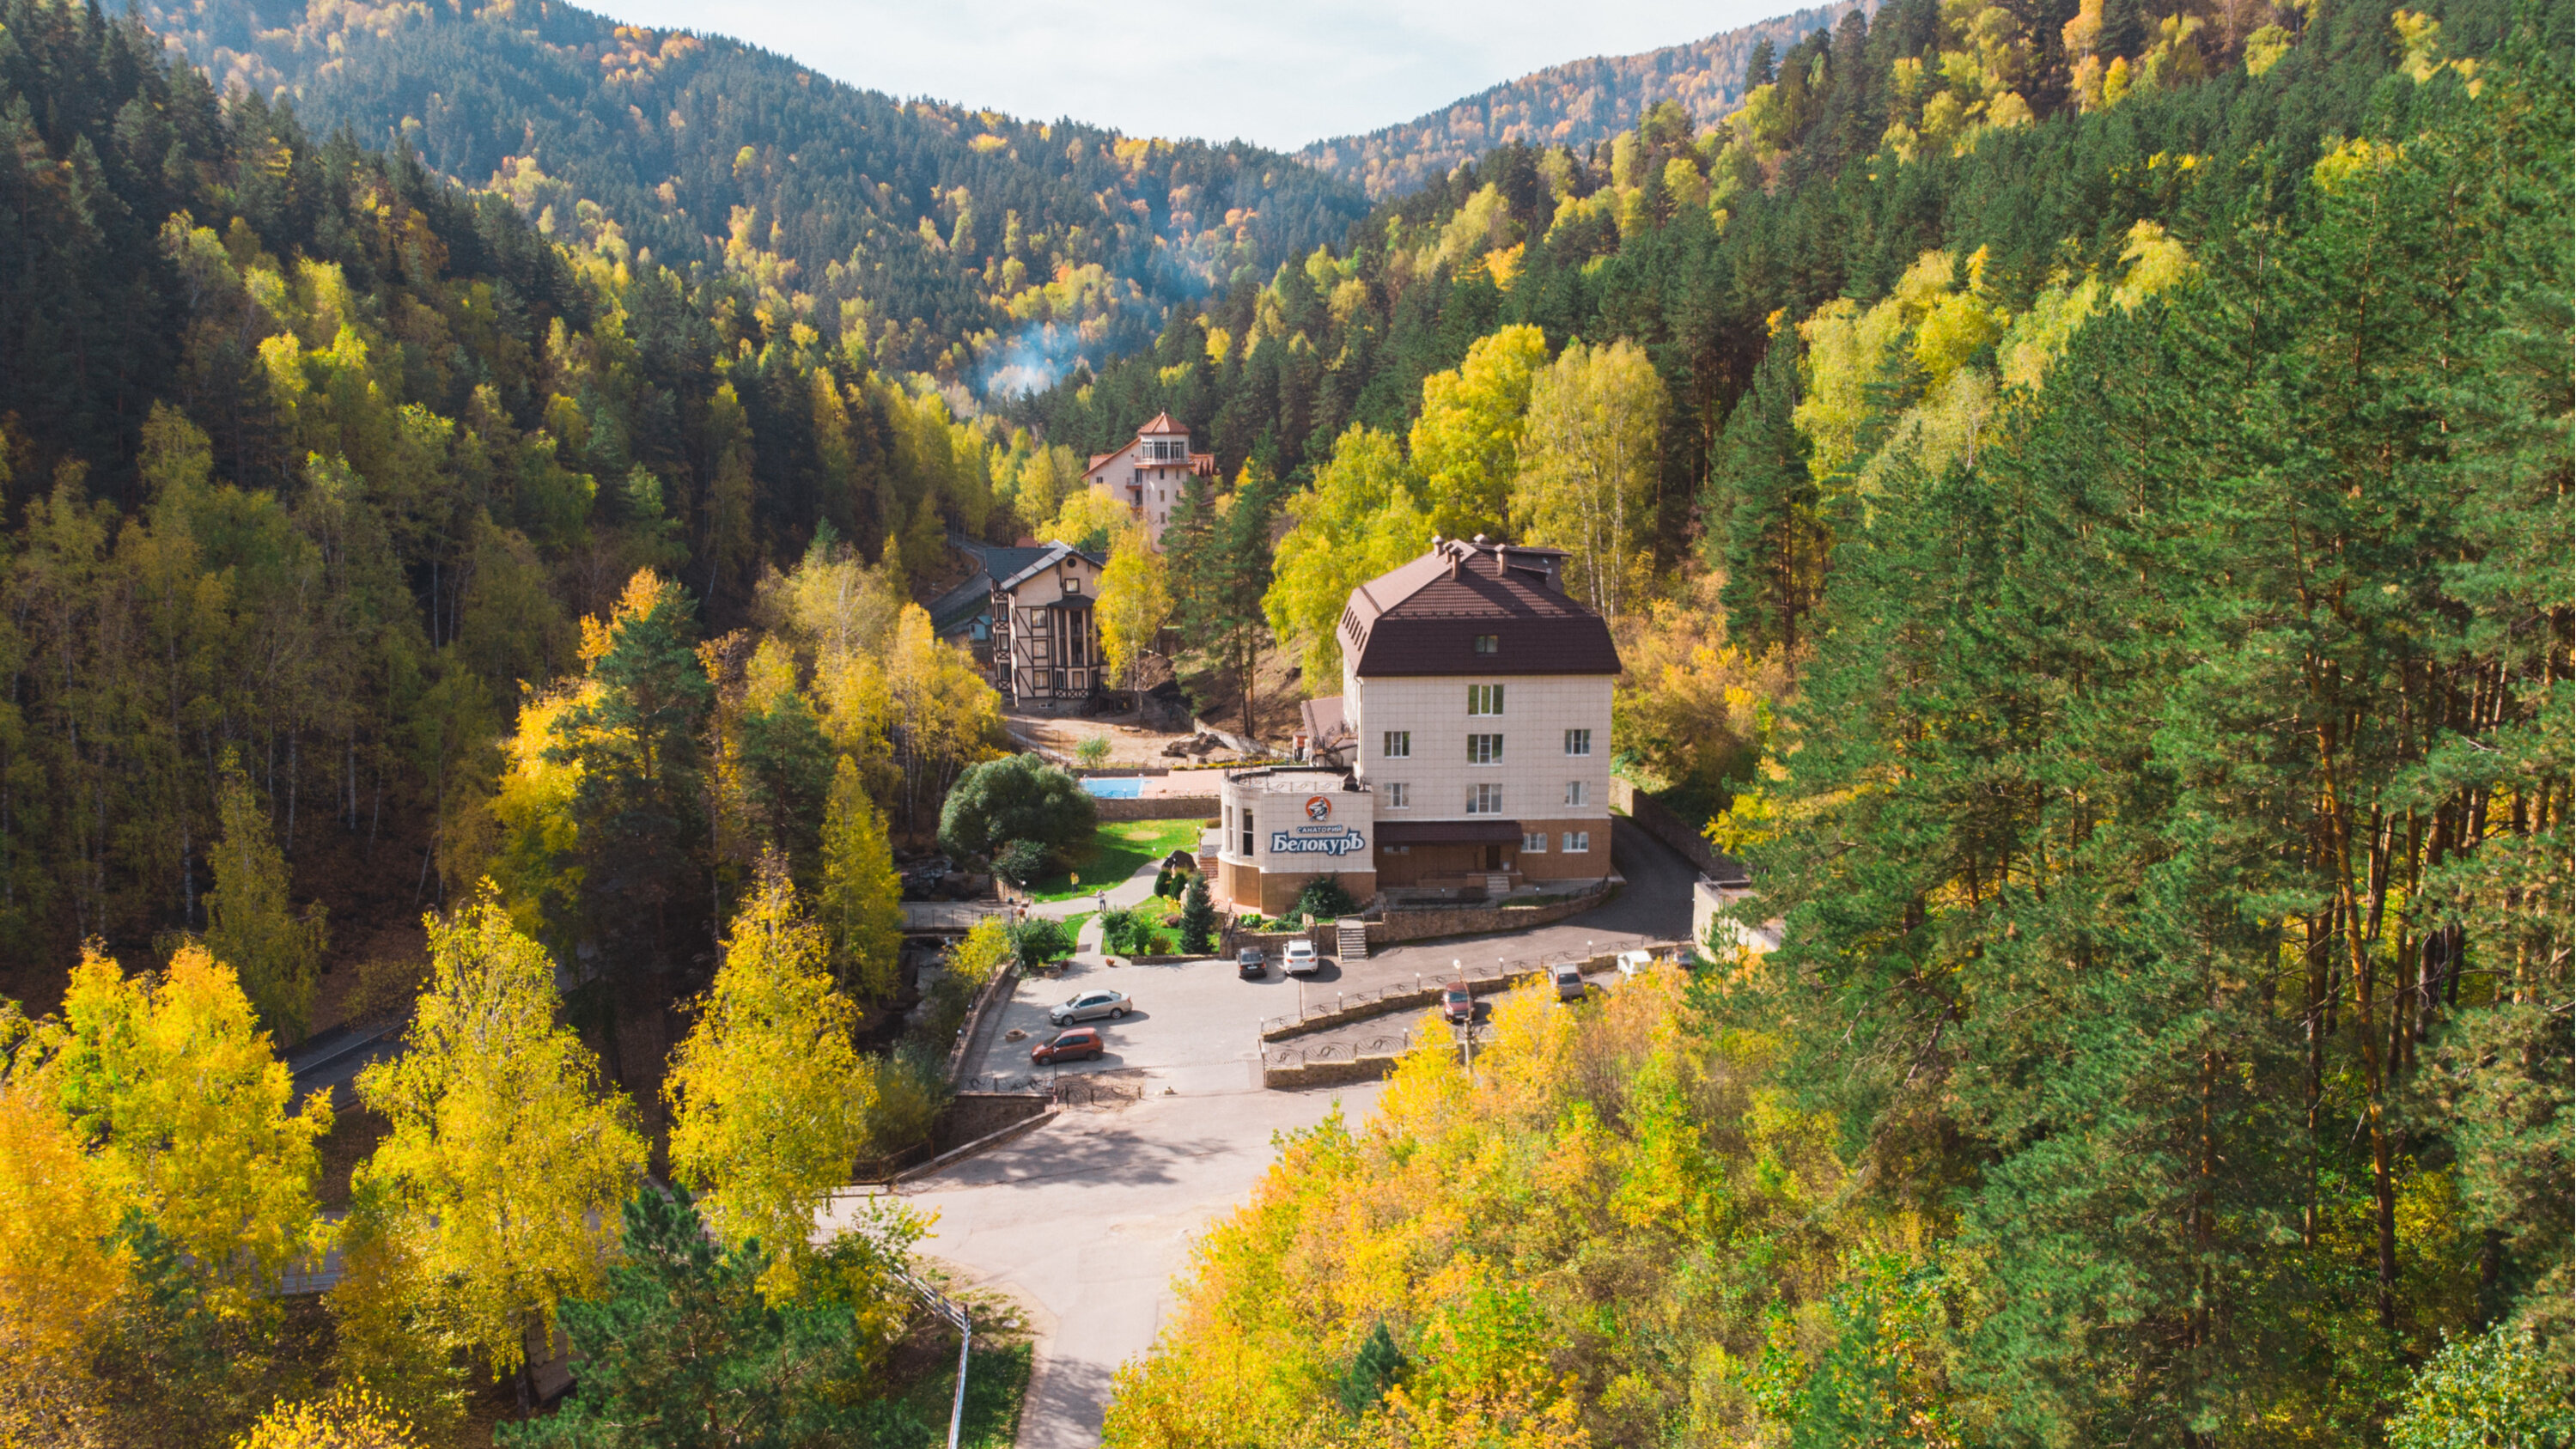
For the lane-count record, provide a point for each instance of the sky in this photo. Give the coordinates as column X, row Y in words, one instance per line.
column 1279, row 73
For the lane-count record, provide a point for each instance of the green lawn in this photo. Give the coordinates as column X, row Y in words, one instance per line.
column 1117, row 848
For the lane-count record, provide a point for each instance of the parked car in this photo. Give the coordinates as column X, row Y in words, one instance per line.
column 1635, row 963
column 1456, row 1004
column 1569, row 981
column 1080, row 1044
column 1299, row 958
column 1250, row 964
column 1091, row 1005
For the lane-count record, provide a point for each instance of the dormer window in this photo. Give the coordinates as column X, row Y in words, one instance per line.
column 1073, row 583
column 1489, row 643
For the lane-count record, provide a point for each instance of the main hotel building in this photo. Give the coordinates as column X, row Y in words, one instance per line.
column 1469, row 747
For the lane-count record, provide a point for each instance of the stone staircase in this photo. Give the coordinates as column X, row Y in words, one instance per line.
column 1498, row 886
column 1351, row 937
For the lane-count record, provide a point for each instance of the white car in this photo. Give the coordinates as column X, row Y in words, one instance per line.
column 1091, row 1005
column 1636, row 963
column 1299, row 959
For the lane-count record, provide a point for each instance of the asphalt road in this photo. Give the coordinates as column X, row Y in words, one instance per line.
column 1088, row 1220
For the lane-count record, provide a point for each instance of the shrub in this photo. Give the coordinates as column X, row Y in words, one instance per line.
column 1020, row 861
column 1038, row 940
column 1093, row 752
column 1018, row 798
column 1324, row 899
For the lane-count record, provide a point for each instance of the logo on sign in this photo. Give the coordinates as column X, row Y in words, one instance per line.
column 1318, row 808
column 1308, row 840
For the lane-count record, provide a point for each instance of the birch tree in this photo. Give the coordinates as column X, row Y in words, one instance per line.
column 506, row 1165
column 768, row 1098
column 1588, row 468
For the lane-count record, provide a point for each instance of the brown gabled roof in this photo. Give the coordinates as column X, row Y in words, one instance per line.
column 1162, row 423
column 1425, row 617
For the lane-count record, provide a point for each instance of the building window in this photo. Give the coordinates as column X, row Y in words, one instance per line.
column 1534, row 843
column 1246, row 852
column 1073, row 583
column 1484, row 699
column 1574, row 792
column 1395, row 850
column 1489, row 644
column 1399, row 744
column 1578, row 742
column 1578, row 841
column 1487, row 800
column 1078, row 687
column 1484, row 749
column 1399, row 796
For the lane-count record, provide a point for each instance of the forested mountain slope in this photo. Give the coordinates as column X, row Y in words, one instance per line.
column 312, row 460
column 1574, row 104
column 2104, row 561
column 939, row 234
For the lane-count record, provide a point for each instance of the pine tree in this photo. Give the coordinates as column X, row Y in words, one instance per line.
column 1760, row 508
column 1198, row 918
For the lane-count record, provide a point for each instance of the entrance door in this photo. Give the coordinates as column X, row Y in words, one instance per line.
column 1493, row 857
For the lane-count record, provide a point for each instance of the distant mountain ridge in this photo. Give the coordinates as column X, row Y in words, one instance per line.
column 949, row 236
column 1574, row 104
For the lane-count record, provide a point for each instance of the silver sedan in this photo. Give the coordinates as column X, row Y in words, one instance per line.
column 1091, row 1005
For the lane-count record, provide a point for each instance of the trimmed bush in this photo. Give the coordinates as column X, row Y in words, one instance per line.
column 1018, row 798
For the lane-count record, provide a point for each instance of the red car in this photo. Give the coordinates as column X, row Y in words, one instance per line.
column 1456, row 1004
column 1070, row 1046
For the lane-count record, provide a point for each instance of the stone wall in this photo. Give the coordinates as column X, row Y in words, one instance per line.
column 970, row 1115
column 1656, row 820
column 1466, row 920
column 1328, row 1074
column 984, row 1011
column 1166, row 807
column 1393, row 999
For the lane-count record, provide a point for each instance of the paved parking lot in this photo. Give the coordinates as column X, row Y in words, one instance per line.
column 1192, row 1031
column 1089, row 1219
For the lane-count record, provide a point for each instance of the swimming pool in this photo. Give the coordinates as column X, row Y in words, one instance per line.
column 1115, row 787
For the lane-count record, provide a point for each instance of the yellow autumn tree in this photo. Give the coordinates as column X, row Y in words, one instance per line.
column 860, row 903
column 769, row 1099
column 188, row 1104
column 250, row 926
column 1362, row 517
column 1467, row 441
column 506, row 1167
column 59, row 1275
column 1088, row 518
column 1590, row 468
column 1135, row 602
column 941, row 713
column 351, row 1418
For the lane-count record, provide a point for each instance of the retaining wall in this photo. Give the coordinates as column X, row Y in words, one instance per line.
column 1424, row 925
column 985, row 1010
column 1392, row 999
column 1654, row 818
column 1328, row 1074
column 1167, row 807
column 970, row 1115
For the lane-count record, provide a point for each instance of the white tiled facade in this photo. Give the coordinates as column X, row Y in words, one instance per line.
column 1535, row 771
